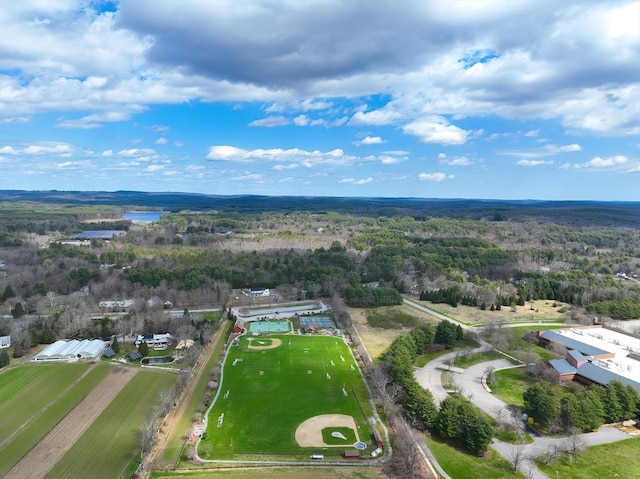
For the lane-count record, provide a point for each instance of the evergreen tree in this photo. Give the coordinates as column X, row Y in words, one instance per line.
column 143, row 349
column 18, row 310
column 541, row 403
column 115, row 344
column 4, row 358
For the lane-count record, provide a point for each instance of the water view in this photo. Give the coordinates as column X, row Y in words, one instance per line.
column 143, row 216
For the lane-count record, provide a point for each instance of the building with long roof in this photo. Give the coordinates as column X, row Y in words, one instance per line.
column 73, row 350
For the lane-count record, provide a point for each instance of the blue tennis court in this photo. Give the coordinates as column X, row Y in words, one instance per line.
column 320, row 322
column 269, row 326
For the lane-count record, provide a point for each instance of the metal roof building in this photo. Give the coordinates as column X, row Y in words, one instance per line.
column 73, row 350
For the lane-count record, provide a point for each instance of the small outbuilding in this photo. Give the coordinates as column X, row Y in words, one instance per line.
column 351, row 454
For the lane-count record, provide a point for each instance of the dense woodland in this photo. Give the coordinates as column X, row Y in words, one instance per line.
column 365, row 252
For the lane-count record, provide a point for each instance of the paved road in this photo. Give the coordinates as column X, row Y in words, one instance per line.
column 430, row 377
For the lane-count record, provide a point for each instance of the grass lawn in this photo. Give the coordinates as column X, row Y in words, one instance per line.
column 110, row 444
column 511, row 383
column 266, row 394
column 464, row 360
column 280, row 473
column 426, row 357
column 176, row 441
column 31, row 423
column 460, row 465
column 616, row 460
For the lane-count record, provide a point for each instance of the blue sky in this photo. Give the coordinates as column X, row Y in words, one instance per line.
column 501, row 99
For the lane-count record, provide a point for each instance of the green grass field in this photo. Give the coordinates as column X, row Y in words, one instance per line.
column 175, row 443
column 34, row 398
column 279, row 473
column 109, row 446
column 272, row 391
column 460, row 465
column 616, row 460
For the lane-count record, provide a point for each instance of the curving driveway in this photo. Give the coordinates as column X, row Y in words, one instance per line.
column 470, row 382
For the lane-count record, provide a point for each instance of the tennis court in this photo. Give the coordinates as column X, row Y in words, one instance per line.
column 269, row 326
column 320, row 322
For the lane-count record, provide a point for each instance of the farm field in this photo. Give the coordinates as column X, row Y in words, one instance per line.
column 109, row 446
column 34, row 398
column 273, row 385
column 280, row 473
column 543, row 310
column 378, row 339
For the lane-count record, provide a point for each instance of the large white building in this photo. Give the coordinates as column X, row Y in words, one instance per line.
column 69, row 351
column 155, row 341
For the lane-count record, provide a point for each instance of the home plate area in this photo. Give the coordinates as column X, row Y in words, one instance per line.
column 328, row 430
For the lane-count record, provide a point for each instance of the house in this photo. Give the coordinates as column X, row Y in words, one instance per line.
column 308, row 329
column 126, row 303
column 155, row 341
column 5, row 342
column 259, row 292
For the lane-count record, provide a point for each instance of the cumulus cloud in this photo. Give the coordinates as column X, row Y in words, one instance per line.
column 162, row 141
column 369, row 140
column 375, row 117
column 609, row 162
column 291, row 156
column 544, row 151
column 533, row 162
column 437, row 177
column 137, row 152
column 436, row 129
column 270, row 122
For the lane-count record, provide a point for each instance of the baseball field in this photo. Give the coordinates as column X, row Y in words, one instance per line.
column 288, row 395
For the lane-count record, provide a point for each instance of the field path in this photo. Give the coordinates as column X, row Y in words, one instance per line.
column 154, row 457
column 41, row 459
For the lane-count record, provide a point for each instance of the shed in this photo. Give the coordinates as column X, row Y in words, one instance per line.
column 351, row 454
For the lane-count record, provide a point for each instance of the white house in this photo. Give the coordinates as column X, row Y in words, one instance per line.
column 5, row 342
column 125, row 303
column 155, row 341
column 259, row 292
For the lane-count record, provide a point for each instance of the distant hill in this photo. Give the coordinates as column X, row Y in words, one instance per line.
column 583, row 213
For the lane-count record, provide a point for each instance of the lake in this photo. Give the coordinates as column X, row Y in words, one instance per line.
column 98, row 234
column 143, row 216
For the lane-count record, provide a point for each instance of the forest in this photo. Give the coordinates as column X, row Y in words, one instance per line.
column 365, row 252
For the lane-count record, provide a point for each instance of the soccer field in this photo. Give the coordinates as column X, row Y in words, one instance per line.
column 272, row 385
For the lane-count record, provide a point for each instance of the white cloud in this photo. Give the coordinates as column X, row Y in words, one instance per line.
column 257, row 177
column 179, row 144
column 107, row 153
column 154, row 168
column 364, row 181
column 532, row 133
column 8, row 150
column 347, row 180
column 436, row 129
column 544, row 151
column 564, row 166
column 290, row 166
column 137, row 152
column 375, row 117
column 162, row 141
column 609, row 162
column 298, row 156
column 54, row 149
column 533, row 162
column 301, row 120
column 455, row 161
column 369, row 140
column 270, row 122
column 434, row 177
column 94, row 121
